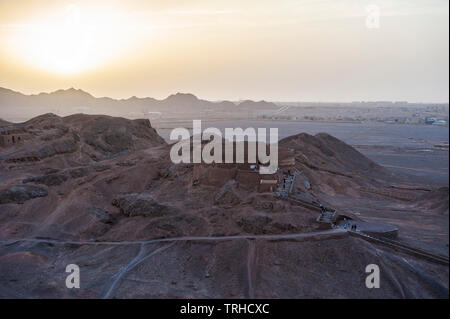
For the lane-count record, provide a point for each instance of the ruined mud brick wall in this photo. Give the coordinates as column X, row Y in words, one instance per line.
column 10, row 137
column 248, row 179
column 213, row 175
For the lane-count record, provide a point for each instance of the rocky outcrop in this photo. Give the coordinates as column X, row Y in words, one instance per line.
column 84, row 137
column 255, row 224
column 141, row 205
column 21, row 193
column 39, row 152
column 227, row 195
column 48, row 180
column 102, row 215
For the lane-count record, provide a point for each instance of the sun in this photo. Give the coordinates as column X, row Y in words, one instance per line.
column 61, row 47
column 69, row 42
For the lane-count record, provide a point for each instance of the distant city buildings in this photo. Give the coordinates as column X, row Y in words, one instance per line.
column 435, row 121
column 430, row 120
column 440, row 122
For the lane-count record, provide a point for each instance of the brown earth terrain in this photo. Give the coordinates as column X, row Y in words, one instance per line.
column 101, row 192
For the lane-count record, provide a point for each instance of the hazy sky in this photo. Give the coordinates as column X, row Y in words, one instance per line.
column 283, row 50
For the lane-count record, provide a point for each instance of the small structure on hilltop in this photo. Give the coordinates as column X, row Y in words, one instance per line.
column 245, row 174
column 10, row 136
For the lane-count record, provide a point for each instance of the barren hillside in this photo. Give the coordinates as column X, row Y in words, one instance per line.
column 101, row 192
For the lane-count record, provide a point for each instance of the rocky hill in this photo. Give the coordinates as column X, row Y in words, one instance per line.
column 101, row 192
column 76, row 138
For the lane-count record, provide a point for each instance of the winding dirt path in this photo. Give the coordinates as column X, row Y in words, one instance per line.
column 250, row 263
column 140, row 257
column 177, row 239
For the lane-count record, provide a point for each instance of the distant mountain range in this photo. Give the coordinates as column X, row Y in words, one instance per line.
column 14, row 104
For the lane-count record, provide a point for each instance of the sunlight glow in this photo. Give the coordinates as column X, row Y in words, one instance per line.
column 72, row 41
column 229, row 49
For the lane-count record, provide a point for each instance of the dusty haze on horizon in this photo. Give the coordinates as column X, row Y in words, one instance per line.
column 274, row 50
